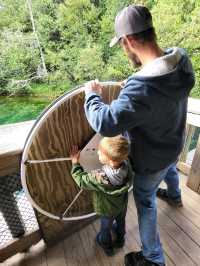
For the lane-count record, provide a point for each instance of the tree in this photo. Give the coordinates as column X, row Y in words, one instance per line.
column 74, row 38
column 44, row 69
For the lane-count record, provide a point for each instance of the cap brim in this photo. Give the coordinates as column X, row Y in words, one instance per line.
column 114, row 41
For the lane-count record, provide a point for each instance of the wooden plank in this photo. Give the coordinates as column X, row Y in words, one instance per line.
column 181, row 238
column 175, row 254
column 91, row 251
column 19, row 245
column 179, row 219
column 36, row 255
column 193, row 105
column 190, row 129
column 56, row 255
column 184, row 168
column 191, row 206
column 187, row 191
column 186, row 219
column 189, row 212
column 17, row 260
column 13, row 137
column 10, row 163
column 191, row 201
column 193, row 119
column 194, row 176
column 73, row 250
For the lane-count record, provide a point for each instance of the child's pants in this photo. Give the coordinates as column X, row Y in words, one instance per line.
column 115, row 223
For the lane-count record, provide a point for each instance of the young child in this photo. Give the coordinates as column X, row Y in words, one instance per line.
column 110, row 185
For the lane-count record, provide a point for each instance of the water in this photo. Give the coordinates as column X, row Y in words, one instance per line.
column 18, row 109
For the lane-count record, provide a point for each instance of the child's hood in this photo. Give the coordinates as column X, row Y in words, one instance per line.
column 124, row 173
column 118, row 176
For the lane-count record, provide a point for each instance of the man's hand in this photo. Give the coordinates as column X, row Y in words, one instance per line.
column 93, row 86
column 75, row 155
column 123, row 83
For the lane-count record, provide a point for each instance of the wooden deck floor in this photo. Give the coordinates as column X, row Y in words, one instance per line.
column 179, row 230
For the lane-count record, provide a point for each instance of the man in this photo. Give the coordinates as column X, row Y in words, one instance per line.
column 151, row 111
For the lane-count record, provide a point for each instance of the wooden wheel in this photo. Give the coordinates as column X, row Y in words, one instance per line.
column 45, row 167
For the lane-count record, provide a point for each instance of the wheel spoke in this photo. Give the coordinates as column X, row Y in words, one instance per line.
column 72, row 203
column 47, row 160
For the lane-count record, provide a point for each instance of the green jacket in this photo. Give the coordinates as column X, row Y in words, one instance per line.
column 108, row 200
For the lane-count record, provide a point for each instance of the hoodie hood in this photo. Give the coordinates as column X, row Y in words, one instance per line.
column 171, row 74
column 117, row 177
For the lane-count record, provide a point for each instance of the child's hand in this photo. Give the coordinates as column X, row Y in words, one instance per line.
column 75, row 154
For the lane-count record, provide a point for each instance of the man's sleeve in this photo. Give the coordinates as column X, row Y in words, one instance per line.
column 129, row 110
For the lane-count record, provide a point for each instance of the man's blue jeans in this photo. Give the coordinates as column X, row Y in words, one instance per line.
column 109, row 223
column 144, row 190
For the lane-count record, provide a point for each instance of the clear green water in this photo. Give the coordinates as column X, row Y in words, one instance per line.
column 18, row 109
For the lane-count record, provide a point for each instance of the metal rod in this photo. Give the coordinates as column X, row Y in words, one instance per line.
column 72, row 203
column 47, row 160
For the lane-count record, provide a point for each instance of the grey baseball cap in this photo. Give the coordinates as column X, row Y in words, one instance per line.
column 130, row 20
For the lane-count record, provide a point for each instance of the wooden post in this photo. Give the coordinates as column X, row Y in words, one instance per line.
column 190, row 129
column 182, row 165
column 19, row 245
column 194, row 176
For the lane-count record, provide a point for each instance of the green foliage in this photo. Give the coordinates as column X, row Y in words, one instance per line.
column 89, row 65
column 17, row 60
column 118, row 67
column 177, row 23
column 75, row 35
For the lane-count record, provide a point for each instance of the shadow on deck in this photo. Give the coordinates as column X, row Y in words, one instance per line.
column 179, row 230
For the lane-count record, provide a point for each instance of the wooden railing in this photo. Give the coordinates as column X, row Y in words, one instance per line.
column 13, row 137
column 191, row 170
column 12, row 140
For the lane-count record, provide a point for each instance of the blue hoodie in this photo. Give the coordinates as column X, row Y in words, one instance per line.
column 150, row 111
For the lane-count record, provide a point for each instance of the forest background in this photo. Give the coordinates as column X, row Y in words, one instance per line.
column 48, row 47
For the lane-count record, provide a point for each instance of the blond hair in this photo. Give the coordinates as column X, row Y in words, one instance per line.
column 115, row 148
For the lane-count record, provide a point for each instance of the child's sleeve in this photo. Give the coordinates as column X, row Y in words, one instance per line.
column 83, row 179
